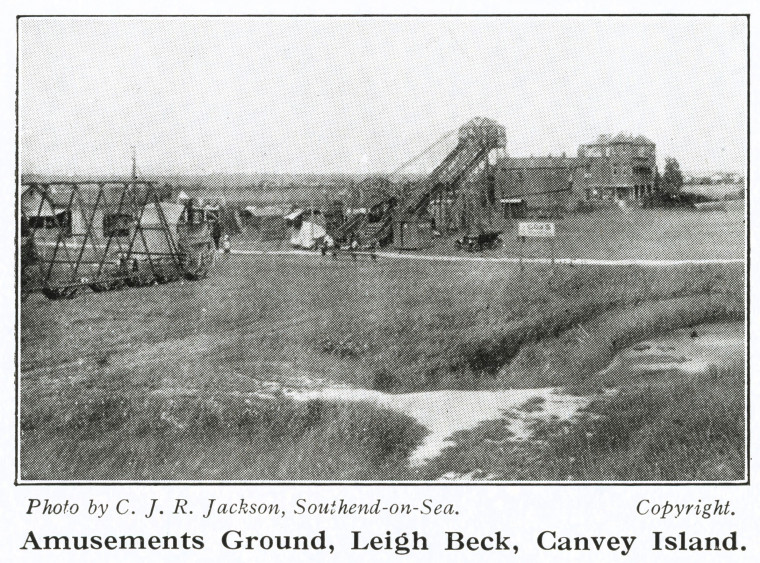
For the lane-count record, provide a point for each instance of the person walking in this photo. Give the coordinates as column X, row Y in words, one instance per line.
column 227, row 244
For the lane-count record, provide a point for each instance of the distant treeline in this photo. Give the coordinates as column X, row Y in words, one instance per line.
column 231, row 181
column 714, row 180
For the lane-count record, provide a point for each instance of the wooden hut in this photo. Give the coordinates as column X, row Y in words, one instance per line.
column 412, row 232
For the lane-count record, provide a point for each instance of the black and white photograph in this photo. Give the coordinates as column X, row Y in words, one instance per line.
column 382, row 249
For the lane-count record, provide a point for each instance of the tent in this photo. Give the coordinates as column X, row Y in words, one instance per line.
column 309, row 235
column 152, row 227
column 151, row 216
column 33, row 204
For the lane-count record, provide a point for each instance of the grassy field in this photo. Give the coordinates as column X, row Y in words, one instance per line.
column 183, row 380
column 647, row 234
column 614, row 234
column 634, row 233
column 109, row 431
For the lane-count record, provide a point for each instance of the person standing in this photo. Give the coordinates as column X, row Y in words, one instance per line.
column 227, row 244
column 327, row 244
column 216, row 233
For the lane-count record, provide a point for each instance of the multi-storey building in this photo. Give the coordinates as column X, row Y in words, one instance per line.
column 619, row 168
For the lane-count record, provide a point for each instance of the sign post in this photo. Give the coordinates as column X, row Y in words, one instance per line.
column 536, row 229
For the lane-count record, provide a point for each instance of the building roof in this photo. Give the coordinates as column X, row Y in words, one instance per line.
column 540, row 162
column 269, row 211
column 621, row 138
column 642, row 140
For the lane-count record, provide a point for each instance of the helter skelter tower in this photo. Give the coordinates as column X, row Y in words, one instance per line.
column 439, row 193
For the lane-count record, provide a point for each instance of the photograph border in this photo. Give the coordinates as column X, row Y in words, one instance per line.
column 747, row 269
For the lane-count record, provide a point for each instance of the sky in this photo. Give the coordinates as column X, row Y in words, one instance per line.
column 364, row 95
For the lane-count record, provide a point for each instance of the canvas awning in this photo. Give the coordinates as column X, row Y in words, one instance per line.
column 294, row 215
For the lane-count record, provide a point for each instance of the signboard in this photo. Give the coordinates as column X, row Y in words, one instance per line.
column 535, row 229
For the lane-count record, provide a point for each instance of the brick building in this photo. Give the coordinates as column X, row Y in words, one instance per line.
column 545, row 182
column 610, row 169
column 619, row 168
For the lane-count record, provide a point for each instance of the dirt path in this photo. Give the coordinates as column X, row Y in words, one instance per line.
column 504, row 259
column 507, row 259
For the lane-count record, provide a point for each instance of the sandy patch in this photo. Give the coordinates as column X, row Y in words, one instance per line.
column 689, row 350
column 446, row 412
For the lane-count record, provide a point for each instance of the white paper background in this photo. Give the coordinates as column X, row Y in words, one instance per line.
column 519, row 511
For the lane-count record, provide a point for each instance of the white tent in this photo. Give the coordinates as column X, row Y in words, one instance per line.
column 34, row 205
column 151, row 217
column 308, row 236
column 152, row 227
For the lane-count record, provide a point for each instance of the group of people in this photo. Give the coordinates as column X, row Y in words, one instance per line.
column 222, row 242
column 329, row 245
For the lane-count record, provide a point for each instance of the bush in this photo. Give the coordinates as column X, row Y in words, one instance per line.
column 675, row 199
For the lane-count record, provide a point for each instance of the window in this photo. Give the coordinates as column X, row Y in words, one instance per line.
column 595, row 152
